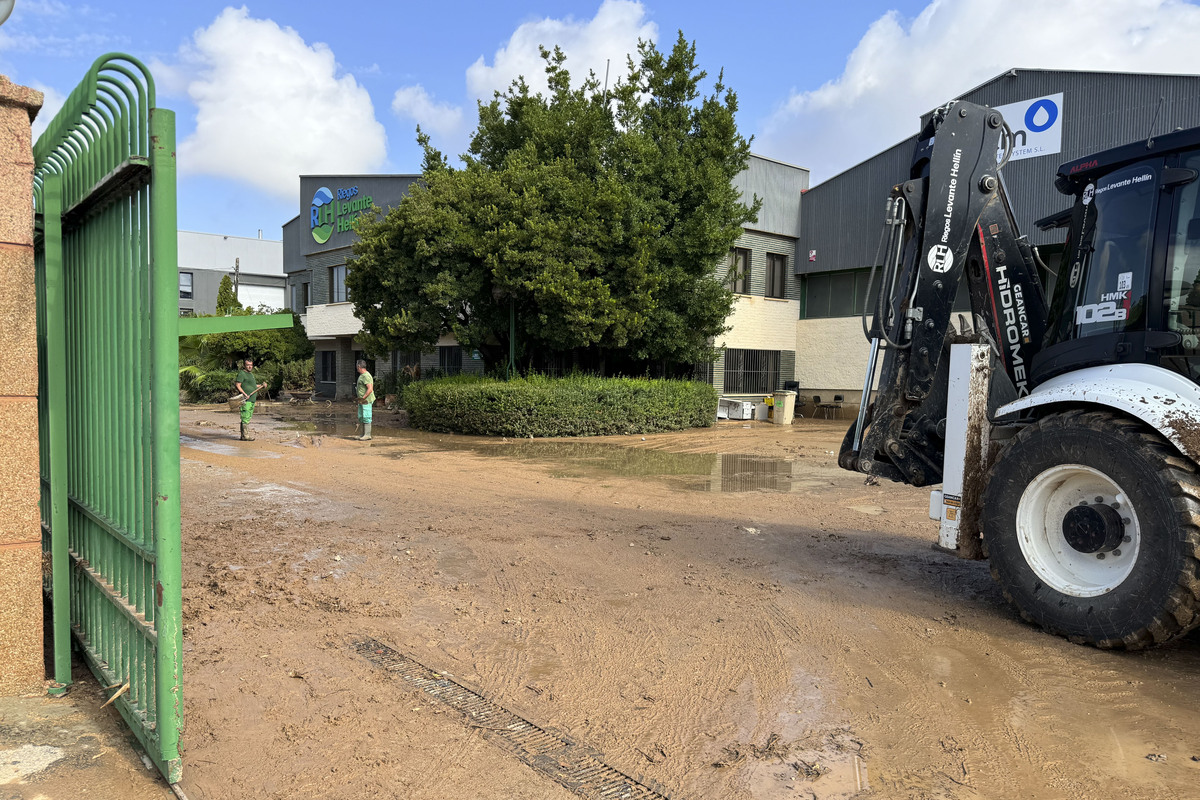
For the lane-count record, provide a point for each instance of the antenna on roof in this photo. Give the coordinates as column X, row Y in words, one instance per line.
column 1150, row 133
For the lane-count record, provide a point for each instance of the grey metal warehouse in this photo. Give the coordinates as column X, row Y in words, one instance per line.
column 1055, row 115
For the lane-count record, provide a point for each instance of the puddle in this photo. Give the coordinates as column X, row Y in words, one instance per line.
column 699, row 472
column 340, row 427
column 221, row 449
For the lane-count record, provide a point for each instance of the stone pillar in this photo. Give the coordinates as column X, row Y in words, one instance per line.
column 21, row 649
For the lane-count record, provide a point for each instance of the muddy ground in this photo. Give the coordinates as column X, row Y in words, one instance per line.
column 721, row 612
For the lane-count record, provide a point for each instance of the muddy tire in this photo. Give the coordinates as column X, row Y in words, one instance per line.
column 1092, row 526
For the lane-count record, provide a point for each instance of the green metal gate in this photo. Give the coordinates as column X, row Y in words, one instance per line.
column 108, row 363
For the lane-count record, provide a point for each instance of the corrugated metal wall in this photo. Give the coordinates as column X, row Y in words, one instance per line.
column 842, row 217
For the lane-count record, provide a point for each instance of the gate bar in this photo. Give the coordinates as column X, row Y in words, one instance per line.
column 56, row 421
column 164, row 400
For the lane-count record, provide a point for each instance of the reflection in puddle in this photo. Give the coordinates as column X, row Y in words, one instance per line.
column 700, row 472
column 340, row 427
column 217, row 448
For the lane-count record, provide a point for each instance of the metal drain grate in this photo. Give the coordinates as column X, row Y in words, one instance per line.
column 577, row 767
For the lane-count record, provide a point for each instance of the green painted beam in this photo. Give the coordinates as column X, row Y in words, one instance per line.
column 194, row 326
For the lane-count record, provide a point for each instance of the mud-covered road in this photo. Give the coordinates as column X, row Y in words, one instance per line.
column 719, row 613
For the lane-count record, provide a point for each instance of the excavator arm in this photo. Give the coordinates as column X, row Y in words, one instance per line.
column 949, row 220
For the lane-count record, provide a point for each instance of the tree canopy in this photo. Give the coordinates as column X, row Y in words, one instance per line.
column 599, row 216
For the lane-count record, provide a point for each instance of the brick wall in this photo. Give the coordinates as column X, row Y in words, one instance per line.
column 21, row 659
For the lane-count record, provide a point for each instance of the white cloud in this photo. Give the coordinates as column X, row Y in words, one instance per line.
column 414, row 102
column 610, row 36
column 51, row 104
column 270, row 106
column 901, row 69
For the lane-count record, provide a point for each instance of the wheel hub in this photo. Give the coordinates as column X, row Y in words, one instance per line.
column 1078, row 530
column 1093, row 528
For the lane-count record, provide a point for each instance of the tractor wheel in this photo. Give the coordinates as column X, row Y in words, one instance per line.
column 1092, row 526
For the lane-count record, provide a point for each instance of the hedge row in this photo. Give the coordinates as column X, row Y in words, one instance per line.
column 572, row 406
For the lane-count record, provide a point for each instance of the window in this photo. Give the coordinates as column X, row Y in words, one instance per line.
column 337, row 284
column 739, row 270
column 406, row 360
column 185, row 286
column 187, row 312
column 776, row 275
column 299, row 297
column 1109, row 293
column 450, row 359
column 837, row 294
column 327, row 366
column 751, row 371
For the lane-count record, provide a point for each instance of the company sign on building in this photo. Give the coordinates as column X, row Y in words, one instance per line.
column 1036, row 125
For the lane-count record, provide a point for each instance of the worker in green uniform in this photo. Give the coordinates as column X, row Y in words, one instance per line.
column 364, row 389
column 247, row 385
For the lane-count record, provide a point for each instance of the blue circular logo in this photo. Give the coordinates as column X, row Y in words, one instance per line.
column 1051, row 110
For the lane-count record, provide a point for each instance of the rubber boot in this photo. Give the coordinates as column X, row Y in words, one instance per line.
column 366, row 437
column 247, row 433
column 244, row 438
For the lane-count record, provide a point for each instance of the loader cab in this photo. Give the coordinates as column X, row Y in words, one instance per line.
column 1128, row 286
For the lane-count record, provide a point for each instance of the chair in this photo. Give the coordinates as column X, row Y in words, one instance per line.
column 824, row 408
column 838, row 399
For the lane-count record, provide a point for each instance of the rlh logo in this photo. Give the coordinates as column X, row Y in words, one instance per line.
column 1036, row 127
column 321, row 215
column 940, row 258
column 329, row 214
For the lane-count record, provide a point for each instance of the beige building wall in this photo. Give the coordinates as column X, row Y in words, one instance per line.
column 831, row 358
column 761, row 323
column 21, row 658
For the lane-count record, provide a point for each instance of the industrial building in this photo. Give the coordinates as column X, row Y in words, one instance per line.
column 254, row 265
column 759, row 354
column 802, row 268
column 1055, row 116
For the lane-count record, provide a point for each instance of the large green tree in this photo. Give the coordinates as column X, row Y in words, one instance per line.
column 598, row 216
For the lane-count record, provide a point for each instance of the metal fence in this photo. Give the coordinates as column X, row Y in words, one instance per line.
column 751, row 371
column 105, row 250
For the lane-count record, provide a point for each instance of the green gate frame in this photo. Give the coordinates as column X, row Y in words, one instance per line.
column 108, row 328
column 108, row 364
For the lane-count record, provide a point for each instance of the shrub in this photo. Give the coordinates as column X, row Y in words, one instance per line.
column 296, row 375
column 574, row 406
column 214, row 386
column 393, row 383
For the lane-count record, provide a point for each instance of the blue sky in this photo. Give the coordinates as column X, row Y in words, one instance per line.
column 268, row 90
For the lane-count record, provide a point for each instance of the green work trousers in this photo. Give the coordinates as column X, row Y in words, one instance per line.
column 247, row 411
